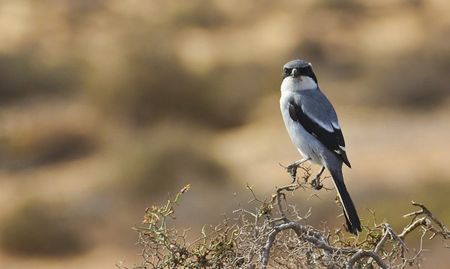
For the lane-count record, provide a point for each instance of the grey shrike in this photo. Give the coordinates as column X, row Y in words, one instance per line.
column 313, row 126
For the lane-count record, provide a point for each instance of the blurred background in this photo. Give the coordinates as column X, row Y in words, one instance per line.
column 107, row 106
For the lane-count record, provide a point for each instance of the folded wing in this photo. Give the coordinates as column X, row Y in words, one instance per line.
column 316, row 114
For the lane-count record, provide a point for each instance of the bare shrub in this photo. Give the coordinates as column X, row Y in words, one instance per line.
column 277, row 235
column 38, row 228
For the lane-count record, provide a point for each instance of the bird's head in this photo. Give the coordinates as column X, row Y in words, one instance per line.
column 299, row 70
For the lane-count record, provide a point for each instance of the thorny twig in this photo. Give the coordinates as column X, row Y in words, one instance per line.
column 426, row 221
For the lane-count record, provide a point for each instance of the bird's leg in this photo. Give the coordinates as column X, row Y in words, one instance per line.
column 292, row 168
column 315, row 183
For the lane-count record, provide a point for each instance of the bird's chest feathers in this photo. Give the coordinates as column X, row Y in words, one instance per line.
column 295, row 130
column 291, row 84
column 307, row 145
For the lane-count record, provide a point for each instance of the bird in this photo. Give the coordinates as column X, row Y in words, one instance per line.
column 313, row 127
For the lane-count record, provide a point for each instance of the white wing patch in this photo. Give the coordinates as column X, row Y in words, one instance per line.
column 322, row 124
column 340, row 150
column 335, row 125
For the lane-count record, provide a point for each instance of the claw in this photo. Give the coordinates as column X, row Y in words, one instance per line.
column 316, row 184
column 292, row 170
column 294, row 178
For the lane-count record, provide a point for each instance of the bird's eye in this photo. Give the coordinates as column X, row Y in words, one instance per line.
column 287, row 72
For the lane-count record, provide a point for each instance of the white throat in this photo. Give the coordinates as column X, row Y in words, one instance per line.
column 290, row 84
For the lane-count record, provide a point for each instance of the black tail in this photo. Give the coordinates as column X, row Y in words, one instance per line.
column 351, row 216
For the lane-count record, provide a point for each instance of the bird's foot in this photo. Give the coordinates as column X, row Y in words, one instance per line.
column 316, row 183
column 292, row 170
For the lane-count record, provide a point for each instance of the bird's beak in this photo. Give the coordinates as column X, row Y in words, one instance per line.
column 295, row 73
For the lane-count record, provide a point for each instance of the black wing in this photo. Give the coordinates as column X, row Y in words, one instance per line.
column 334, row 141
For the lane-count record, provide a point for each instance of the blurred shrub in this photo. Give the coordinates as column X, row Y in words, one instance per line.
column 78, row 11
column 235, row 90
column 341, row 66
column 168, row 157
column 22, row 75
column 350, row 7
column 38, row 228
column 158, row 87
column 416, row 80
column 201, row 13
column 313, row 48
column 30, row 148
